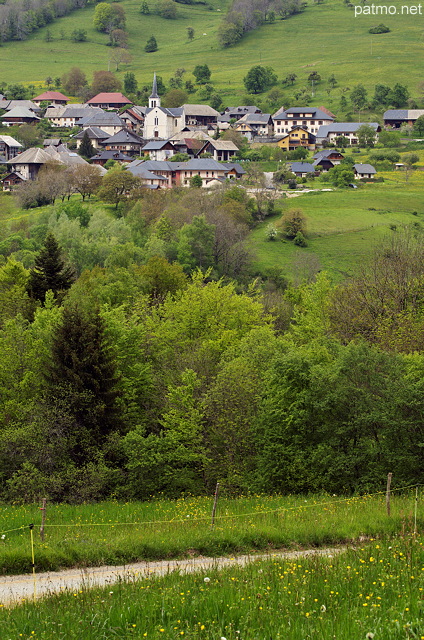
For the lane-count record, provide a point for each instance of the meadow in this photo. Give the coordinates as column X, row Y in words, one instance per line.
column 343, row 226
column 326, row 38
column 117, row 533
column 371, row 591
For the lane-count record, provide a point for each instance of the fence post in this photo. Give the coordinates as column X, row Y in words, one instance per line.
column 43, row 519
column 416, row 509
column 215, row 502
column 389, row 481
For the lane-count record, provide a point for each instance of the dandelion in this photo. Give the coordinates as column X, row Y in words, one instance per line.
column 3, row 536
column 206, row 579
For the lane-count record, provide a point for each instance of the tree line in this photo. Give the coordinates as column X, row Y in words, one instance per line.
column 19, row 18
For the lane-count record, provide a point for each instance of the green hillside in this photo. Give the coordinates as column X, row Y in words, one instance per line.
column 326, row 38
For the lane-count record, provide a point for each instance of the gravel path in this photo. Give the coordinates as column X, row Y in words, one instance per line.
column 14, row 589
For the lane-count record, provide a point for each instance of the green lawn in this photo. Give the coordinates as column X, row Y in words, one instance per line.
column 343, row 226
column 326, row 38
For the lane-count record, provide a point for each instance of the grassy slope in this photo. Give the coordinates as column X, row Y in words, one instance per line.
column 342, row 226
column 326, row 38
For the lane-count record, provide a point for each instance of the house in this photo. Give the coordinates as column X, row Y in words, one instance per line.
column 133, row 118
column 95, row 134
column 11, row 180
column 8, row 105
column 348, row 130
column 245, row 130
column 29, row 163
column 181, row 173
column 69, row 116
column 162, row 168
column 109, row 122
column 52, row 97
column 199, row 115
column 126, row 141
column 103, row 156
column 260, row 123
column 364, row 171
column 160, row 122
column 301, row 169
column 235, row 113
column 297, row 137
column 395, row 118
column 309, row 118
column 220, row 150
column 326, row 159
column 159, row 149
column 52, row 142
column 9, row 147
column 235, row 170
column 109, row 101
column 19, row 115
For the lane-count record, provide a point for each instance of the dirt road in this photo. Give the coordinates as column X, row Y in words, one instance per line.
column 14, row 589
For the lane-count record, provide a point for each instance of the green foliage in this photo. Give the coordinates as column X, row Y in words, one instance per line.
column 144, row 8
column 167, row 9
column 293, row 222
column 50, row 272
column 79, row 35
column 358, row 97
column 202, row 73
column 130, row 82
column 259, row 79
column 341, row 175
column 108, row 16
column 151, row 45
column 195, row 244
column 196, row 181
column 86, row 148
column 419, row 126
column 380, row 28
column 117, row 184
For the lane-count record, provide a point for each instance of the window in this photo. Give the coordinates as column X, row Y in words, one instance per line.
column 156, row 122
column 176, row 122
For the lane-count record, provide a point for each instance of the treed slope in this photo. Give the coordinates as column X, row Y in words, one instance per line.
column 326, row 38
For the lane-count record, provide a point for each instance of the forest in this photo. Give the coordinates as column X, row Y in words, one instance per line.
column 142, row 355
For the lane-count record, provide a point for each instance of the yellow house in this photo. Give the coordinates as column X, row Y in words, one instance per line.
column 297, row 137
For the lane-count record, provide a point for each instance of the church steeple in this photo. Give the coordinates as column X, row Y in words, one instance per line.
column 154, row 100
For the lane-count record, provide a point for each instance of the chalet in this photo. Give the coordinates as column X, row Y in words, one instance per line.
column 395, row 118
column 54, row 98
column 220, row 150
column 235, row 170
column 199, row 115
column 326, row 159
column 126, row 141
column 109, row 101
column 159, row 149
column 260, row 123
column 161, row 168
column 301, row 169
column 363, row 171
column 191, row 146
column 297, row 137
column 52, row 142
column 133, row 118
column 8, row 105
column 348, row 130
column 11, row 180
column 245, row 130
column 181, row 173
column 19, row 115
column 9, row 147
column 29, row 163
column 309, row 118
column 109, row 122
column 69, row 116
column 95, row 134
column 103, row 156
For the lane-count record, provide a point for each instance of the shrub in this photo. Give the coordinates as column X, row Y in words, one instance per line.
column 380, row 28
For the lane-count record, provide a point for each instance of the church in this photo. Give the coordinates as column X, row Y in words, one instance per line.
column 160, row 122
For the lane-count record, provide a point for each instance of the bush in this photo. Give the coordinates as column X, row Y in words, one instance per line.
column 380, row 28
column 300, row 240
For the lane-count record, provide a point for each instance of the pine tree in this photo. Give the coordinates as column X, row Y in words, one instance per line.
column 82, row 380
column 86, row 148
column 151, row 45
column 49, row 272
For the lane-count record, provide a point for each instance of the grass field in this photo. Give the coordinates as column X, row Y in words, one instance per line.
column 374, row 591
column 115, row 533
column 343, row 226
column 326, row 38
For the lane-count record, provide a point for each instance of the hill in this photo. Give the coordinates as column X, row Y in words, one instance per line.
column 326, row 38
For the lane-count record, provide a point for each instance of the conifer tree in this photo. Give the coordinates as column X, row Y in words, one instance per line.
column 49, row 272
column 82, row 379
column 86, row 148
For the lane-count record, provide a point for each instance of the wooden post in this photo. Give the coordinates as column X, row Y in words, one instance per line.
column 215, row 502
column 389, row 481
column 43, row 519
column 415, row 511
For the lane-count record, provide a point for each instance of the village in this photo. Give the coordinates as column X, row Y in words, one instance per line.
column 166, row 147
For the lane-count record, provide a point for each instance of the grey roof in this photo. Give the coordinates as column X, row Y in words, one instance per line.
column 199, row 110
column 111, row 154
column 20, row 112
column 256, row 118
column 32, row 155
column 165, row 166
column 315, row 112
column 364, row 168
column 175, row 112
column 396, row 114
column 9, row 141
column 70, row 158
column 104, row 119
column 234, row 165
column 94, row 133
column 152, row 165
column 343, row 127
column 154, row 145
column 26, row 104
column 200, row 164
column 141, row 172
column 124, row 136
column 324, row 153
column 222, row 145
column 302, row 167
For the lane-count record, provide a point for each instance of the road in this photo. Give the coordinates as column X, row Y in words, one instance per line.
column 15, row 589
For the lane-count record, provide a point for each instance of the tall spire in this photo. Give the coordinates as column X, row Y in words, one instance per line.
column 154, row 100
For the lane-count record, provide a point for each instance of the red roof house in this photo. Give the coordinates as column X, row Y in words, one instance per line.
column 52, row 97
column 109, row 101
